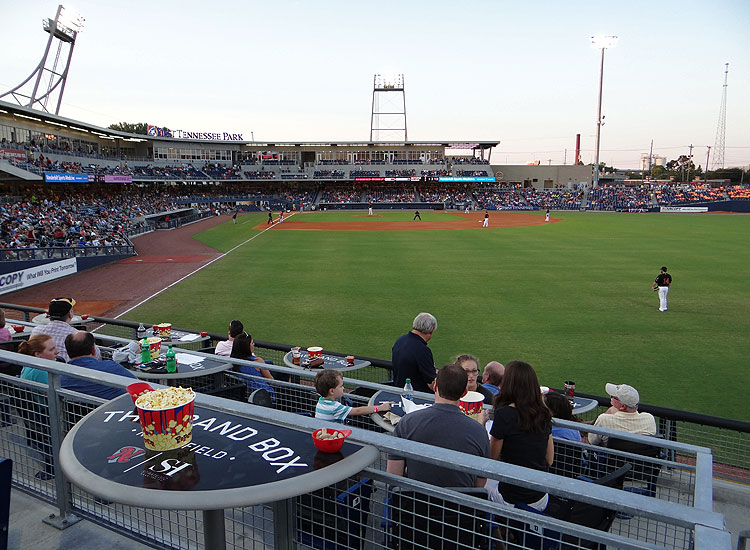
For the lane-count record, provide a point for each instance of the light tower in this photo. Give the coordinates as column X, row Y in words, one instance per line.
column 388, row 117
column 600, row 42
column 45, row 81
column 721, row 127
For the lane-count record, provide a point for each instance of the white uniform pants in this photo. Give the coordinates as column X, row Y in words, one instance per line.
column 663, row 291
column 486, row 222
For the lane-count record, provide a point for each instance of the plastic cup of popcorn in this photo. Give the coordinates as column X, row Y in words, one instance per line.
column 154, row 343
column 471, row 404
column 166, row 416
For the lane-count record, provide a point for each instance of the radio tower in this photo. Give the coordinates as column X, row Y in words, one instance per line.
column 46, row 80
column 721, row 128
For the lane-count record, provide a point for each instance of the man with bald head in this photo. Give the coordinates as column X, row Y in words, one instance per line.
column 492, row 378
column 81, row 349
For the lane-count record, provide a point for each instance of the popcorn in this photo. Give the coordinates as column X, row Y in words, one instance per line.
column 167, row 398
column 167, row 418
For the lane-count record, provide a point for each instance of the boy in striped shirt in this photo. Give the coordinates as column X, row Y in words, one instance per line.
column 330, row 385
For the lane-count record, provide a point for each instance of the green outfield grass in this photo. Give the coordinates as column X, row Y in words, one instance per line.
column 573, row 298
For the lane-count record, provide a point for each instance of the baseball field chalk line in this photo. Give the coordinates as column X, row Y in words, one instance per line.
column 155, row 294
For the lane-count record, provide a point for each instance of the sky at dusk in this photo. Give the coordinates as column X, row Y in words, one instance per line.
column 522, row 73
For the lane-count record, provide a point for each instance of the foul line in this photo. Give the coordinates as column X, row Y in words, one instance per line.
column 154, row 295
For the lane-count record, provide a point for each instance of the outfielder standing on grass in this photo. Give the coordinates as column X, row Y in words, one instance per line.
column 661, row 284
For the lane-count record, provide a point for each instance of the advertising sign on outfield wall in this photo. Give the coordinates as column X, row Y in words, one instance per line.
column 57, row 177
column 24, row 278
column 684, row 209
column 465, row 179
column 12, row 154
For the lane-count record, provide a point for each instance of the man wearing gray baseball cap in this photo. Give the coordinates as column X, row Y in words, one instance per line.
column 623, row 415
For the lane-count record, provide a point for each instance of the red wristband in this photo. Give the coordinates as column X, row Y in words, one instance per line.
column 376, row 408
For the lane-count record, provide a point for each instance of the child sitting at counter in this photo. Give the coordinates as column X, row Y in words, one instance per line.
column 330, row 385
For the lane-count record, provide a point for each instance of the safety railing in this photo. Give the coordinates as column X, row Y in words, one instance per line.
column 63, row 252
column 729, row 440
column 373, row 509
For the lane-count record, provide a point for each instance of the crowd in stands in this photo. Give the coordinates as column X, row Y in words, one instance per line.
column 259, row 174
column 436, row 173
column 676, row 194
column 400, row 173
column 348, row 194
column 467, row 160
column 620, row 197
column 364, row 173
column 303, row 197
column 558, row 199
column 501, row 199
column 738, row 192
column 472, row 173
column 329, row 174
column 398, row 193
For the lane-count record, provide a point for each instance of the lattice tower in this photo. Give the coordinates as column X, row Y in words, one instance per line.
column 721, row 127
column 388, row 117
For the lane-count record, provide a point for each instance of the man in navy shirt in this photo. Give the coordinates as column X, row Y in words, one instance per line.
column 412, row 358
column 81, row 349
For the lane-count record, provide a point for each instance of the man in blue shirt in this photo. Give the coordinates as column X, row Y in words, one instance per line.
column 81, row 349
column 412, row 358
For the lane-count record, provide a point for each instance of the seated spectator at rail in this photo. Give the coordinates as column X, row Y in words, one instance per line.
column 242, row 348
column 560, row 407
column 442, row 425
column 521, row 434
column 60, row 315
column 471, row 365
column 330, row 385
column 225, row 346
column 492, row 378
column 43, row 347
column 623, row 415
column 81, row 350
column 4, row 331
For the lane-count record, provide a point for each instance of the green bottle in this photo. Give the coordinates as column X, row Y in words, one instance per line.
column 171, row 360
column 145, row 351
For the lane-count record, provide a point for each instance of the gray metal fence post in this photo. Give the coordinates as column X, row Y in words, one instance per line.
column 284, row 526
column 62, row 488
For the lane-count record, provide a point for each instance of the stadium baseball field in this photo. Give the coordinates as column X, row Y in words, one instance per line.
column 573, row 298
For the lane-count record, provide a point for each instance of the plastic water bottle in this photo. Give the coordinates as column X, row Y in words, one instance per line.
column 408, row 390
column 145, row 351
column 171, row 360
column 140, row 332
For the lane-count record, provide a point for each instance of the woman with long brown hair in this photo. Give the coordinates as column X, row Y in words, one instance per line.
column 521, row 433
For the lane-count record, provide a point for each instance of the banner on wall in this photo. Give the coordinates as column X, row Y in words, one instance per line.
column 57, row 177
column 684, row 209
column 24, row 278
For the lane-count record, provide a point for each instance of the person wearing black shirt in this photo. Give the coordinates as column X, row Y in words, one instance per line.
column 471, row 365
column 417, row 216
column 661, row 284
column 412, row 358
column 521, row 434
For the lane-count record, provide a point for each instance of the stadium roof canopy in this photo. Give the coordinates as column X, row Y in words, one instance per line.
column 107, row 133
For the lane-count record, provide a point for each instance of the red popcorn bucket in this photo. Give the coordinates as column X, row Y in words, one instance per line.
column 166, row 416
column 471, row 404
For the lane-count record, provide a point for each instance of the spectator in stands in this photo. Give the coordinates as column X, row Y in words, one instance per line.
column 81, row 350
column 521, row 434
column 225, row 346
column 471, row 365
column 411, row 358
column 60, row 315
column 4, row 331
column 42, row 346
column 492, row 378
column 560, row 407
column 243, row 348
column 442, row 425
column 330, row 385
column 623, row 415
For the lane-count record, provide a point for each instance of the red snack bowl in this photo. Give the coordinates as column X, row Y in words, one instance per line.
column 330, row 445
column 19, row 328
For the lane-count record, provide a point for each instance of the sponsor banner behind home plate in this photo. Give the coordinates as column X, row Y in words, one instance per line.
column 684, row 209
column 24, row 278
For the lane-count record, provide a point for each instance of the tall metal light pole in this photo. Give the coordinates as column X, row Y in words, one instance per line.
column 600, row 42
